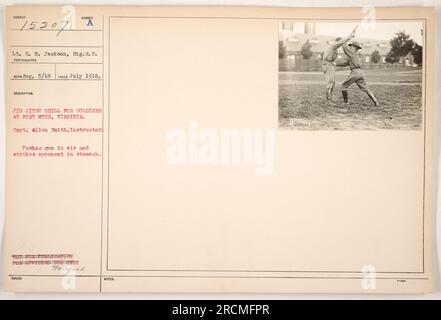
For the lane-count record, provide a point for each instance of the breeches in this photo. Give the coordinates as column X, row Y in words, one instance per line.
column 329, row 70
column 356, row 76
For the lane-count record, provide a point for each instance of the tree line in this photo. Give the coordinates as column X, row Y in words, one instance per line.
column 401, row 45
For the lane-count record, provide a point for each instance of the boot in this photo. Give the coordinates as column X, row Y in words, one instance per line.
column 345, row 96
column 329, row 97
column 328, row 94
column 374, row 100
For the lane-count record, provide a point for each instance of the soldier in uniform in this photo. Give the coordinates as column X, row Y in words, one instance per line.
column 328, row 63
column 357, row 75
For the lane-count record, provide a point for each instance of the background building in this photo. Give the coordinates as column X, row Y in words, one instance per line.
column 293, row 41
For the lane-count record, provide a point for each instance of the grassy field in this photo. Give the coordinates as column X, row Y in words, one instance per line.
column 302, row 102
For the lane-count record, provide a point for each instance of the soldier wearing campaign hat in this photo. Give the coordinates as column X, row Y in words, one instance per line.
column 357, row 75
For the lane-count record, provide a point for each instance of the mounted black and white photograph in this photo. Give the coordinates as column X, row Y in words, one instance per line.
column 351, row 75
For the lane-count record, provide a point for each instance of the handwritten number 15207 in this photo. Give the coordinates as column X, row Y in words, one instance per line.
column 44, row 25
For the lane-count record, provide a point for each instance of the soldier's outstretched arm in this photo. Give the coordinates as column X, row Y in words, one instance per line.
column 342, row 41
column 348, row 51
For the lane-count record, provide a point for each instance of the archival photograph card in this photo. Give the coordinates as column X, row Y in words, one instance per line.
column 219, row 149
